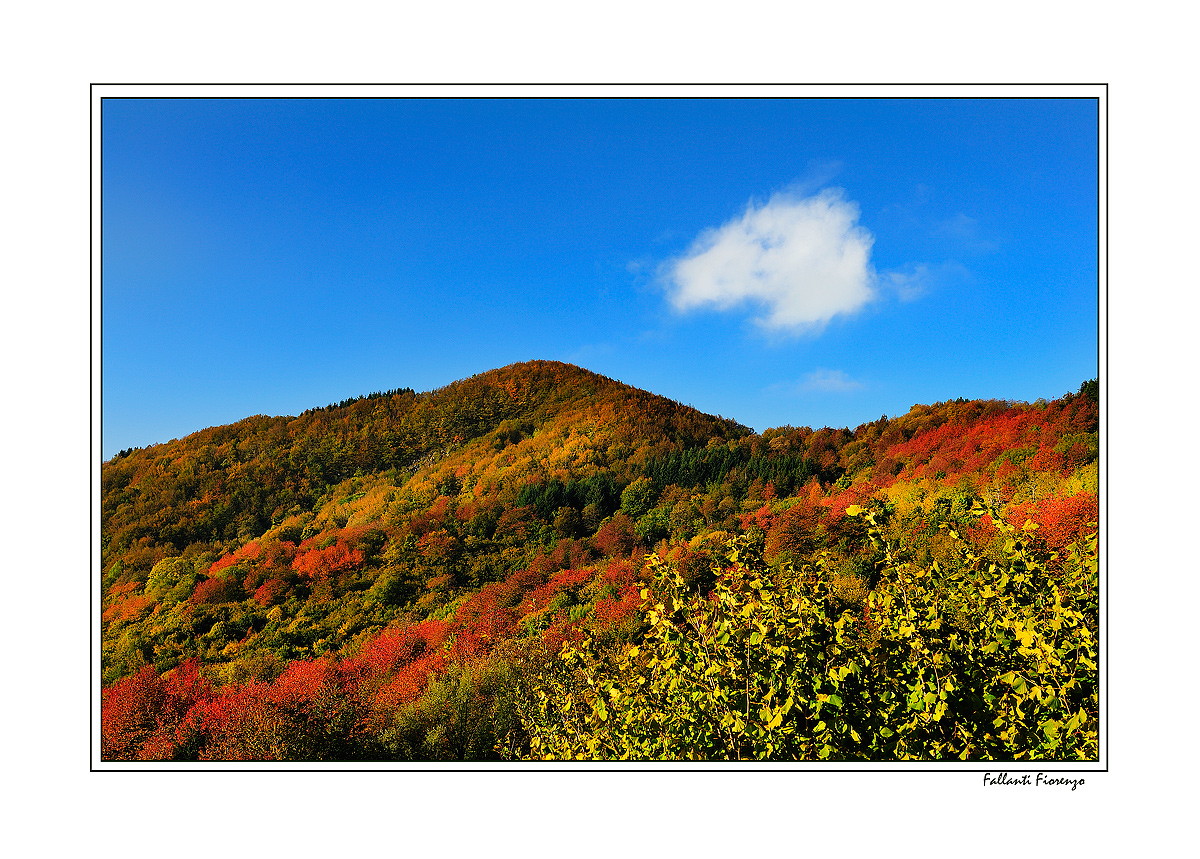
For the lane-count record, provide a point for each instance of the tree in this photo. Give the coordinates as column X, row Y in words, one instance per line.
column 994, row 662
column 1090, row 390
column 638, row 498
column 171, row 579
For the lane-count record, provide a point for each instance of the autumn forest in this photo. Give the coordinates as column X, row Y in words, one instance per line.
column 541, row 563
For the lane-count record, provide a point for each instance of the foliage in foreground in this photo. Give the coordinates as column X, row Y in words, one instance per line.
column 994, row 659
column 406, row 611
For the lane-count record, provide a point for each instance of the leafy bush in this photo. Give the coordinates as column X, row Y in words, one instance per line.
column 996, row 661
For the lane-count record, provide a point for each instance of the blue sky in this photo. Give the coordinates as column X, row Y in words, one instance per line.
column 803, row 262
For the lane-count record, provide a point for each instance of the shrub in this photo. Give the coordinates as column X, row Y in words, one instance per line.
column 990, row 663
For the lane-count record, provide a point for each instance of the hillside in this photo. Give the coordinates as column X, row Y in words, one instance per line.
column 392, row 576
column 223, row 485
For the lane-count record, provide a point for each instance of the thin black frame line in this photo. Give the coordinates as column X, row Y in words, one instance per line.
column 590, row 766
column 91, row 431
column 509, row 766
column 1103, row 390
column 608, row 767
column 592, row 98
column 601, row 83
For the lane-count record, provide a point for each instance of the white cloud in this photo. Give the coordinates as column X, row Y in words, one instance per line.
column 967, row 234
column 829, row 380
column 804, row 260
column 910, row 283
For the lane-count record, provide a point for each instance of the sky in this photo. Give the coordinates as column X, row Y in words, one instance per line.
column 802, row 262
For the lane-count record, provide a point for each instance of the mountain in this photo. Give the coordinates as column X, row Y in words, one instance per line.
column 376, row 578
column 225, row 484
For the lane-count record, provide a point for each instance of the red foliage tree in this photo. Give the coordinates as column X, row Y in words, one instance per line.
column 143, row 717
column 1060, row 521
column 616, row 536
column 214, row 591
column 248, row 552
column 796, row 532
column 272, row 592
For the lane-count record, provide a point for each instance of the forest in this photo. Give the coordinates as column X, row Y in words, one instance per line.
column 541, row 563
